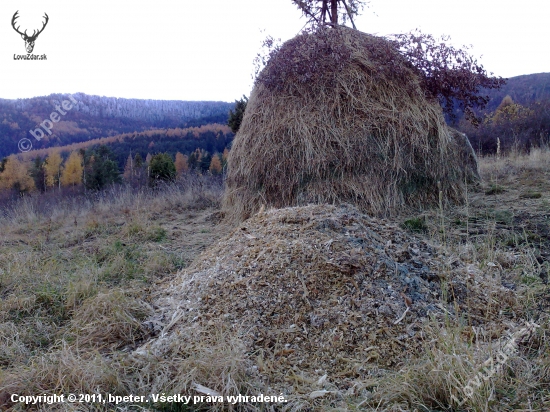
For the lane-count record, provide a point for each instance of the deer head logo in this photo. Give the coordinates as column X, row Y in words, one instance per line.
column 29, row 40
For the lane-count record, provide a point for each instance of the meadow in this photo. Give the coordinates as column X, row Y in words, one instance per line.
column 78, row 278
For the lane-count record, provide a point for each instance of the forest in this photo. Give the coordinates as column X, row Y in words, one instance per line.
column 516, row 118
column 95, row 117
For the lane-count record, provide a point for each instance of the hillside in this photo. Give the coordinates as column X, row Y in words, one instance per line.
column 524, row 90
column 93, row 117
column 212, row 138
column 145, row 292
column 519, row 122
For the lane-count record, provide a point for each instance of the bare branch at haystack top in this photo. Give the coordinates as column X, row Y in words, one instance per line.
column 331, row 12
column 338, row 115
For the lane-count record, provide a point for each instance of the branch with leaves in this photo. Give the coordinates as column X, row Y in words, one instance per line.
column 448, row 74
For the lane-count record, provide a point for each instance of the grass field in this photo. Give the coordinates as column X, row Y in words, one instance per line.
column 76, row 279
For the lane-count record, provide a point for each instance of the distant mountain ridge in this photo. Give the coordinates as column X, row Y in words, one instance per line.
column 115, row 107
column 522, row 124
column 94, row 117
column 524, row 90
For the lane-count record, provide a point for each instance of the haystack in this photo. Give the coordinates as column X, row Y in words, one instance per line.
column 339, row 116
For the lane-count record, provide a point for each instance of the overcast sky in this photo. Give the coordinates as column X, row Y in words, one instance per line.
column 203, row 50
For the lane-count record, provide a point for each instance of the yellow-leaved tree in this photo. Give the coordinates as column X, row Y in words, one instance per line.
column 215, row 165
column 129, row 169
column 181, row 164
column 16, row 175
column 72, row 172
column 52, row 168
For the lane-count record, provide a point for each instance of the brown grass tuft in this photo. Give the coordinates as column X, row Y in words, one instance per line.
column 109, row 318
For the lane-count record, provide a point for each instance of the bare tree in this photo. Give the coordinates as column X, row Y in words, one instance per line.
column 322, row 12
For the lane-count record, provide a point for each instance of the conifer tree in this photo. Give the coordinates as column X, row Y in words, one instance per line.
column 204, row 163
column 236, row 116
column 162, row 168
column 138, row 161
column 38, row 173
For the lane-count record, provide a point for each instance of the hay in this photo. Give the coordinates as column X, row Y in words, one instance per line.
column 466, row 154
column 318, row 290
column 339, row 116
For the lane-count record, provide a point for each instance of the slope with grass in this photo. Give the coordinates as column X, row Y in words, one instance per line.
column 84, row 286
column 75, row 275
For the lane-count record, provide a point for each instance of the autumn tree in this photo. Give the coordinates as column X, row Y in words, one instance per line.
column 517, row 127
column 15, row 175
column 181, row 164
column 449, row 75
column 508, row 112
column 215, row 165
column 52, row 168
column 129, row 169
column 73, row 171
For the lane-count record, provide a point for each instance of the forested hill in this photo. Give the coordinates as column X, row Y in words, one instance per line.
column 94, row 117
column 524, row 90
column 517, row 116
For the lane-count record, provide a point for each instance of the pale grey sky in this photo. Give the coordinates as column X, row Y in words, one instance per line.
column 203, row 50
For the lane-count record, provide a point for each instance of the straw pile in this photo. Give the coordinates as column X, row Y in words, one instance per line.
column 339, row 116
column 316, row 290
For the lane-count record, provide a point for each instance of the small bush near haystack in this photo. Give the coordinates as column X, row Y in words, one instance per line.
column 531, row 195
column 340, row 116
column 416, row 224
column 495, row 190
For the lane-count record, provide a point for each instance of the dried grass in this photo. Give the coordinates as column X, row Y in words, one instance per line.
column 111, row 318
column 214, row 359
column 357, row 129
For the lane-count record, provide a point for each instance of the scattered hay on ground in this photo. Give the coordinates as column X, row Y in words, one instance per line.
column 319, row 290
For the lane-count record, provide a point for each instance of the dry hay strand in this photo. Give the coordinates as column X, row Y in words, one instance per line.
column 63, row 370
column 339, row 116
column 212, row 360
column 110, row 319
column 317, row 290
